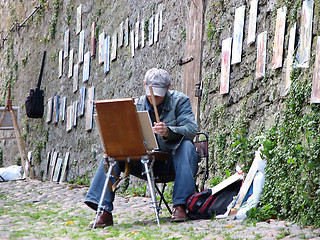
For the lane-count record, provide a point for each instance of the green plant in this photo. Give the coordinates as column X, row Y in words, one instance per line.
column 292, row 151
column 183, row 33
column 283, row 233
column 70, row 9
column 81, row 180
column 54, row 19
column 139, row 190
column 262, row 213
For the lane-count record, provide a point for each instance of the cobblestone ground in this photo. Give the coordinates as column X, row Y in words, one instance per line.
column 47, row 210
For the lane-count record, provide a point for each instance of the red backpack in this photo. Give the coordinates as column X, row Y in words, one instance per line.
column 204, row 205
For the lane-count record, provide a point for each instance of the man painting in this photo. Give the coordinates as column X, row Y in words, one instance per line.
column 175, row 132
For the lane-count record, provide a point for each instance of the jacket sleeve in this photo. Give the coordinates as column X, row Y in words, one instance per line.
column 185, row 123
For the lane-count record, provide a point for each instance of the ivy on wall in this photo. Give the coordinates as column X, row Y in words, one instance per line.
column 292, row 152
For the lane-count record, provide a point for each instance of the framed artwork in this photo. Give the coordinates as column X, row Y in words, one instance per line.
column 315, row 93
column 75, row 113
column 225, row 65
column 75, row 77
column 107, row 54
column 238, row 35
column 114, row 47
column 86, row 67
column 69, row 118
column 261, row 55
column 81, row 102
column 81, row 47
column 142, row 34
column 56, row 105
column 89, row 112
column 120, row 39
column 53, row 164
column 63, row 176
column 126, row 32
column 49, row 110
column 303, row 55
column 70, row 70
column 252, row 22
column 60, row 63
column 48, row 164
column 79, row 19
column 136, row 37
column 63, row 109
column 279, row 38
column 291, row 47
column 101, row 47
column 160, row 19
column 151, row 31
column 93, row 39
column 66, row 43
column 132, row 43
column 57, row 170
column 156, row 27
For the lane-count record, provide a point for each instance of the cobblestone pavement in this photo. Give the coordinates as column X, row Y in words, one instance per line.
column 47, row 210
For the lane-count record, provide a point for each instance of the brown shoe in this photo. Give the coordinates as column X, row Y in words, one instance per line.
column 179, row 214
column 104, row 219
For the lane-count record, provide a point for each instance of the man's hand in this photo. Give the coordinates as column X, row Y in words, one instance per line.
column 160, row 128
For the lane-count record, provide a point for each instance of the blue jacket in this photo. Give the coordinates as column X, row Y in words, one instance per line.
column 177, row 115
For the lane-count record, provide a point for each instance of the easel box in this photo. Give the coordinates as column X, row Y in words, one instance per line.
column 120, row 128
column 6, row 123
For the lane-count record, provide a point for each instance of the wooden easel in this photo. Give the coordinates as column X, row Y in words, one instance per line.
column 21, row 145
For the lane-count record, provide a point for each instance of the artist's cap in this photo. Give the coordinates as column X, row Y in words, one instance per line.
column 159, row 79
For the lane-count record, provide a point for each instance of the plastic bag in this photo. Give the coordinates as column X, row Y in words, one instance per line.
column 10, row 173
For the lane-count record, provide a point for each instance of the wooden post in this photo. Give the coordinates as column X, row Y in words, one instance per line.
column 192, row 69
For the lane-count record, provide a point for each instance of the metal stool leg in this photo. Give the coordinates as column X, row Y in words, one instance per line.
column 145, row 161
column 112, row 162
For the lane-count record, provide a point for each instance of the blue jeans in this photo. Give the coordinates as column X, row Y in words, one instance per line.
column 183, row 163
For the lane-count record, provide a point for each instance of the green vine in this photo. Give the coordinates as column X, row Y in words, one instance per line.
column 292, row 152
column 54, row 20
column 70, row 9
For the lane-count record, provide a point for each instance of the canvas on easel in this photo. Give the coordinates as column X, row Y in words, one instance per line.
column 147, row 131
column 6, row 120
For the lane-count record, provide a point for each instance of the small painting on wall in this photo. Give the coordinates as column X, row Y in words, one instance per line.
column 279, row 38
column 303, row 55
column 252, row 22
column 261, row 55
column 225, row 65
column 315, row 93
column 89, row 111
column 238, row 35
column 290, row 57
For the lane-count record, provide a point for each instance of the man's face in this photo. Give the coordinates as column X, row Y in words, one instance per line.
column 158, row 99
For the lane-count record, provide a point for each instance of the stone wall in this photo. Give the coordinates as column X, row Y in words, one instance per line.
column 248, row 110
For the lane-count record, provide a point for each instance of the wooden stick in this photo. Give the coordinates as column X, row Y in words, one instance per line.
column 154, row 104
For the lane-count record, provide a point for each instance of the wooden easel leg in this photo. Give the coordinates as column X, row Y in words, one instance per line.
column 112, row 162
column 150, row 178
column 21, row 146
